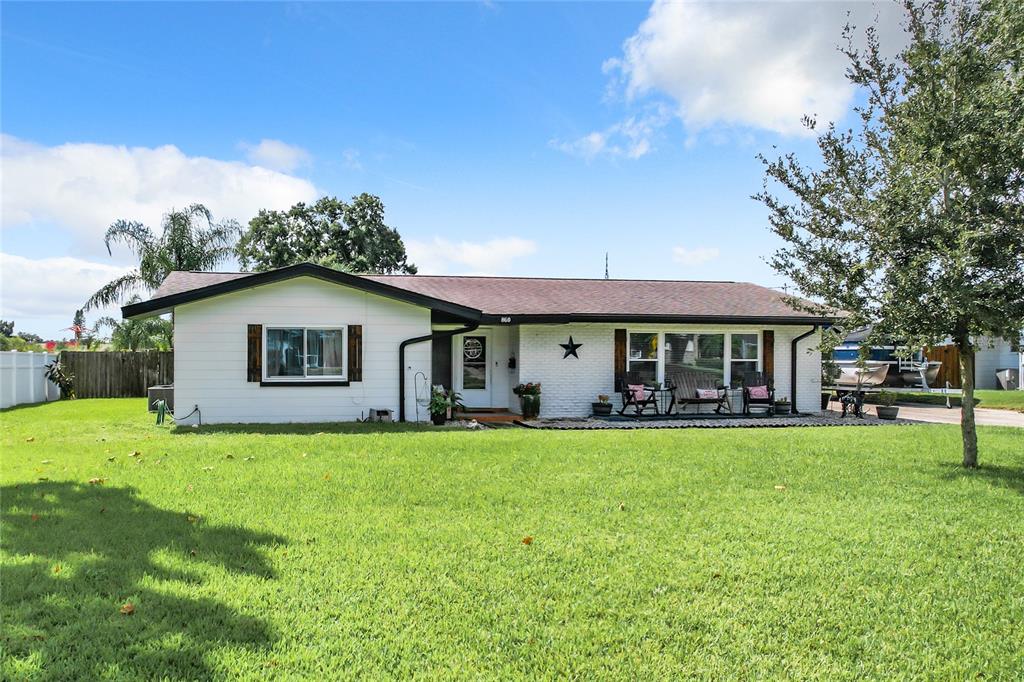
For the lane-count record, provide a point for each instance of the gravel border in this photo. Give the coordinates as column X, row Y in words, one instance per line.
column 588, row 424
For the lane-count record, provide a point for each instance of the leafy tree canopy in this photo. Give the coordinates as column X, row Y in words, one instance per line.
column 350, row 237
column 151, row 333
column 913, row 219
column 6, row 327
column 189, row 240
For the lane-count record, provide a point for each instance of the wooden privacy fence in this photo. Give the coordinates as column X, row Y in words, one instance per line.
column 118, row 374
column 949, row 356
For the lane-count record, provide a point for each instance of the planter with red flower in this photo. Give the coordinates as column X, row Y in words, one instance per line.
column 529, row 399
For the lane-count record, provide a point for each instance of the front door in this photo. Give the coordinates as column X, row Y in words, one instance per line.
column 473, row 371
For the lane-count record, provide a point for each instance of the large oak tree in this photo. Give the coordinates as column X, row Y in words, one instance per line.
column 913, row 219
column 346, row 236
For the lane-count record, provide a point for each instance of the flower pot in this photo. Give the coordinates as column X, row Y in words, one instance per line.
column 887, row 411
column 438, row 419
column 530, row 405
column 602, row 409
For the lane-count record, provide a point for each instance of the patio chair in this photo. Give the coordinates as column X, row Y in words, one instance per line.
column 758, row 391
column 691, row 387
column 636, row 395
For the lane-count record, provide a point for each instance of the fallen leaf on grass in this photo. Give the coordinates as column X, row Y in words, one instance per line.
column 327, row 477
column 35, row 517
column 97, row 481
column 249, row 458
column 780, row 487
column 528, row 540
column 43, row 478
column 56, row 569
column 622, row 506
column 193, row 552
column 207, row 468
column 30, row 439
column 191, row 518
column 229, row 456
column 128, row 609
column 102, row 509
column 47, row 461
column 136, row 453
column 111, row 459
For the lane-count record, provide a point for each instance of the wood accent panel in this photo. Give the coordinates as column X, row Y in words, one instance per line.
column 254, row 343
column 768, row 355
column 620, row 359
column 355, row 352
column 117, row 374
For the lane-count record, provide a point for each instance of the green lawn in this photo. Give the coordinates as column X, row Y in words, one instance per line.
column 839, row 553
column 1001, row 400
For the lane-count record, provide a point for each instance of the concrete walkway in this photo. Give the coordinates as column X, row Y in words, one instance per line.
column 938, row 414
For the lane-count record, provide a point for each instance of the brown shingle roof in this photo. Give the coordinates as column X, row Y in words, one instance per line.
column 545, row 296
column 531, row 296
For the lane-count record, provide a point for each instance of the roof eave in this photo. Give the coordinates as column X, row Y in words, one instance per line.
column 643, row 318
column 165, row 304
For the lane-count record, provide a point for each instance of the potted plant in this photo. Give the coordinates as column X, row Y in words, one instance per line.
column 441, row 404
column 529, row 399
column 829, row 375
column 886, row 408
column 782, row 406
column 602, row 408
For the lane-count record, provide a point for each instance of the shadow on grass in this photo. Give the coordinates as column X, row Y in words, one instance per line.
column 74, row 554
column 1008, row 477
column 344, row 428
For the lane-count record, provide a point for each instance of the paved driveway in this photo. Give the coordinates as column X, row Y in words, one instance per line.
column 937, row 414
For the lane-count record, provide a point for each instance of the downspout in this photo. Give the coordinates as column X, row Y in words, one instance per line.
column 792, row 368
column 433, row 336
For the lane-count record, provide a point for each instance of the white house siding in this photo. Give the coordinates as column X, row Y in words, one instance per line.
column 992, row 356
column 210, row 353
column 570, row 385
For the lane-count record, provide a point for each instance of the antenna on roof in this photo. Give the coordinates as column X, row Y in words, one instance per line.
column 606, row 265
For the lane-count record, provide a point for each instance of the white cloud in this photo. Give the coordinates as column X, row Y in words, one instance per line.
column 81, row 188
column 42, row 295
column 696, row 256
column 276, row 155
column 762, row 65
column 631, row 138
column 441, row 256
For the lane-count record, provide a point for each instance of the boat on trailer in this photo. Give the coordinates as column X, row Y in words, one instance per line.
column 872, row 374
column 900, row 367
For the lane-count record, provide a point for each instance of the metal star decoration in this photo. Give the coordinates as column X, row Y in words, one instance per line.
column 570, row 348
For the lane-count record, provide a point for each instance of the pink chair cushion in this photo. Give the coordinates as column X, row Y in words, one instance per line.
column 637, row 391
column 760, row 392
column 705, row 393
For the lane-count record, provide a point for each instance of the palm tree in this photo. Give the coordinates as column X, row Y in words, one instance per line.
column 153, row 333
column 191, row 240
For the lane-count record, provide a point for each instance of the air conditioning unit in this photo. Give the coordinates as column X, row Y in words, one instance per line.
column 380, row 416
column 165, row 393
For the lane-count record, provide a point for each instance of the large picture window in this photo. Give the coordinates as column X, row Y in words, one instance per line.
column 728, row 356
column 306, row 352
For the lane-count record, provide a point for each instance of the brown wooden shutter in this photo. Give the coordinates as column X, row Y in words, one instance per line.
column 620, row 359
column 255, row 344
column 355, row 352
column 768, row 354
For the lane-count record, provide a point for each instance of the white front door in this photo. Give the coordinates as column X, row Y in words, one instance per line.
column 473, row 369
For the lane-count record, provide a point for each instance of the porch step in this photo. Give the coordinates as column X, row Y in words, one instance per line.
column 487, row 415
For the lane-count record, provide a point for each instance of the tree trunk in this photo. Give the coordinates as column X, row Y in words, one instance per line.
column 967, row 428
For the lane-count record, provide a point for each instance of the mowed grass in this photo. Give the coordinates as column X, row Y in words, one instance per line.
column 325, row 552
column 1001, row 400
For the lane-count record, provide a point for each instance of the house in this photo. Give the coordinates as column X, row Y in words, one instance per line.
column 305, row 343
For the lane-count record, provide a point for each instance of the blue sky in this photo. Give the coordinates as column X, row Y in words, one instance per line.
column 522, row 139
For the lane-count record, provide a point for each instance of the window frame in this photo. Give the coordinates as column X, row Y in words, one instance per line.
column 305, row 378
column 728, row 359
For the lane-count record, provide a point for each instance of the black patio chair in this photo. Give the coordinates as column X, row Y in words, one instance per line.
column 638, row 403
column 751, row 379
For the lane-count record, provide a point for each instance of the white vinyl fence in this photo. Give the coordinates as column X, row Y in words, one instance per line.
column 22, row 380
